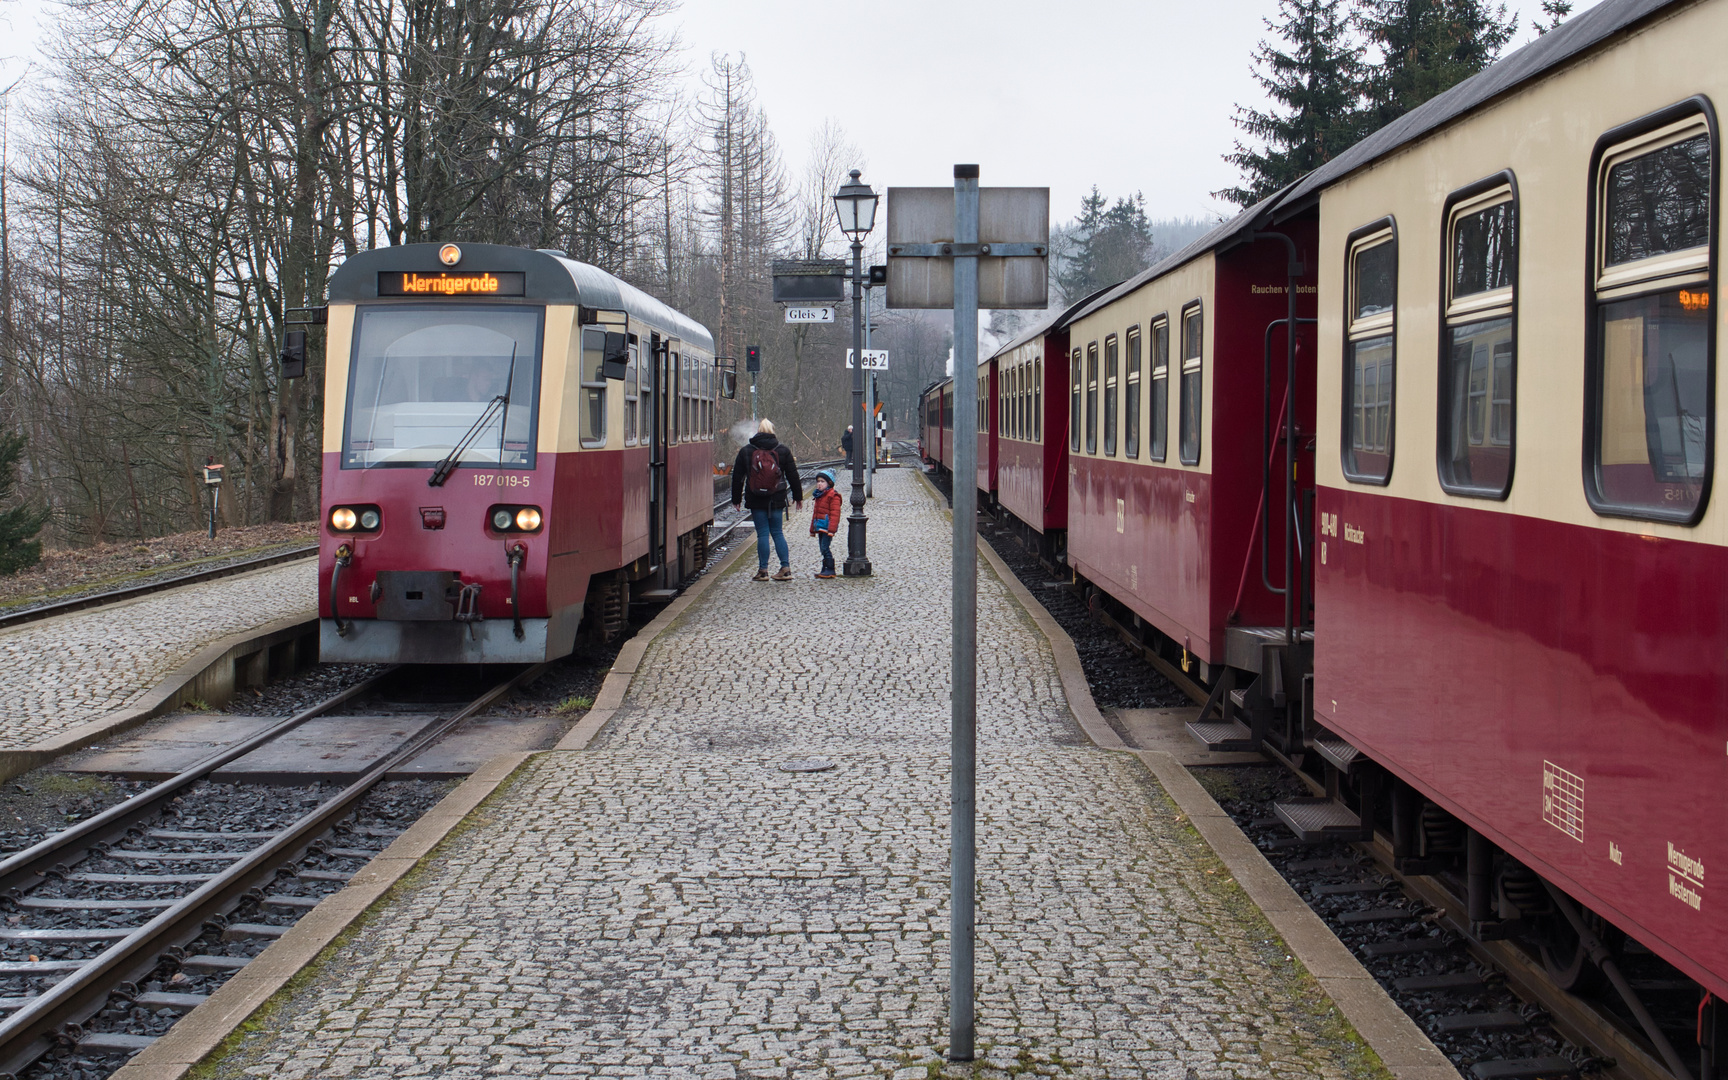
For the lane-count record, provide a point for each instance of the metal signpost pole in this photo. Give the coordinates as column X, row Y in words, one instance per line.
column 963, row 733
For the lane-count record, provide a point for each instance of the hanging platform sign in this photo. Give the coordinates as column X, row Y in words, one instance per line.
column 809, row 314
column 1013, row 248
column 874, row 359
column 809, row 281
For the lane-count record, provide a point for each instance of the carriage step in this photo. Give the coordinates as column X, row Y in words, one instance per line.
column 1239, row 698
column 1542, row 1068
column 1318, row 819
column 1339, row 753
column 1223, row 738
column 656, row 596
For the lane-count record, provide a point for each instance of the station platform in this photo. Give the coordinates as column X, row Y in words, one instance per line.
column 89, row 671
column 657, row 897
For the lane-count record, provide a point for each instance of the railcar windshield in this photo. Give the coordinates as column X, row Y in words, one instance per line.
column 423, row 375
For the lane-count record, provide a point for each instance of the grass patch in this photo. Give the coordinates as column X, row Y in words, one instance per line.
column 581, row 703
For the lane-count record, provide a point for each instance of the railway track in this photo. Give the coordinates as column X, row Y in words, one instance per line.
column 114, row 596
column 96, row 909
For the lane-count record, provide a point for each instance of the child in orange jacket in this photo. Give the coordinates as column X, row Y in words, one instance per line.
column 825, row 519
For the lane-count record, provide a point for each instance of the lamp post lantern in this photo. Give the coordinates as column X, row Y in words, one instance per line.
column 855, row 206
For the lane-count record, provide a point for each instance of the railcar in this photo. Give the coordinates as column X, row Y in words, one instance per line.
column 1176, row 393
column 1519, row 605
column 936, row 424
column 514, row 442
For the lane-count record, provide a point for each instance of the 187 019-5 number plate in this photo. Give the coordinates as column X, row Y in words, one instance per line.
column 502, row 480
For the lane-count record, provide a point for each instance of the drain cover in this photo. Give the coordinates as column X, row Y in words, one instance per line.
column 814, row 764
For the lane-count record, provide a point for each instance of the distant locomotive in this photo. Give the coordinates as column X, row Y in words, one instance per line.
column 1385, row 562
column 514, row 442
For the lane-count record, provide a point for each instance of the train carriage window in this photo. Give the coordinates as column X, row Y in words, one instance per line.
column 1650, row 415
column 1111, row 393
column 593, row 387
column 1188, row 432
column 1075, row 375
column 1369, row 353
column 1112, row 376
column 1131, row 397
column 1092, row 397
column 1037, row 399
column 1478, row 371
column 1158, row 430
column 632, row 395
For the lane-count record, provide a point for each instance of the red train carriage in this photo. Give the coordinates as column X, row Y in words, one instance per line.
column 1175, row 393
column 512, row 441
column 1031, row 442
column 1535, row 651
column 936, row 424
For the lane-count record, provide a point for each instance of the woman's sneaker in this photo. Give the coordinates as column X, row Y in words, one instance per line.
column 784, row 574
column 761, row 575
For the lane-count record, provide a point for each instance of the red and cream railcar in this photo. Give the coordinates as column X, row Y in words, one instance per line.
column 512, row 439
column 1174, row 392
column 1520, row 277
column 936, row 424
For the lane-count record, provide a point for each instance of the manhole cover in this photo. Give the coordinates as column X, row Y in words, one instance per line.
column 814, row 764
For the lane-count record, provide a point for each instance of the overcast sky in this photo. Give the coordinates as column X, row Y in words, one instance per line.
column 1129, row 95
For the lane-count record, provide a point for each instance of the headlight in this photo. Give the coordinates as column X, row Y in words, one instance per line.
column 368, row 518
column 527, row 519
column 342, row 519
column 501, row 519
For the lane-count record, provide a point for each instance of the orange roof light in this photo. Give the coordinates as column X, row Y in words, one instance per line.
column 449, row 254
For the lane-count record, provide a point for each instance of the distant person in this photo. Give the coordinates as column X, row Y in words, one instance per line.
column 846, row 444
column 825, row 513
column 762, row 477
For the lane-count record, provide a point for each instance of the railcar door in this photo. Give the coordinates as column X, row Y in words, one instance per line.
column 660, row 510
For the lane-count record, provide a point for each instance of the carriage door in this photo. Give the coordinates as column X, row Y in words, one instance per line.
column 659, row 415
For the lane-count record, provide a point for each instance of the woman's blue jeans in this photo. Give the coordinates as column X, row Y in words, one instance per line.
column 767, row 524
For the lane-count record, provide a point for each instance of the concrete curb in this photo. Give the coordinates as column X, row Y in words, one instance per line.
column 203, row 1030
column 211, row 675
column 617, row 684
column 1402, row 1047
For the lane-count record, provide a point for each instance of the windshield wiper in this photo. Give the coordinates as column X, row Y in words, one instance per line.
column 444, row 468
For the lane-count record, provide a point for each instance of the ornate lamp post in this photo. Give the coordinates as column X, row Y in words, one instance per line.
column 855, row 206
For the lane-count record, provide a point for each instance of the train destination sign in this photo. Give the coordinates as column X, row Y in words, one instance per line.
column 447, row 283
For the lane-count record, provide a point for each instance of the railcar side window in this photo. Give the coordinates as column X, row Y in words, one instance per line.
column 1369, row 353
column 1478, row 372
column 1188, row 432
column 1650, row 411
column 1092, row 397
column 1074, row 376
column 1158, row 431
column 1131, row 397
column 1038, row 399
column 632, row 395
column 593, row 388
column 984, row 404
column 1111, row 376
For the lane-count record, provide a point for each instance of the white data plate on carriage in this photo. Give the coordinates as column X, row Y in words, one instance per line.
column 1006, row 215
column 809, row 314
column 874, row 359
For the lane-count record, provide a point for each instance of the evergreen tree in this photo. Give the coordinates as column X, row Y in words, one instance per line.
column 1556, row 10
column 1427, row 47
column 18, row 526
column 1105, row 244
column 1316, row 86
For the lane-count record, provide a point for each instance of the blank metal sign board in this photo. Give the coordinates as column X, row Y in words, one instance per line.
column 809, row 281
column 1006, row 215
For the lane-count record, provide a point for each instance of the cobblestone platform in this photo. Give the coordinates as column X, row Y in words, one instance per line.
column 669, row 903
column 63, row 672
